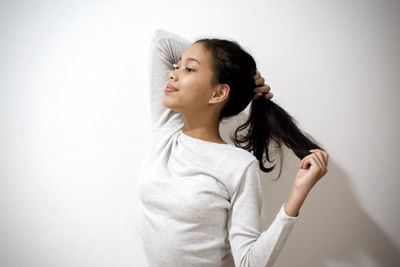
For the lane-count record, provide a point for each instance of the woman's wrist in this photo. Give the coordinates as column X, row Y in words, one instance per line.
column 294, row 202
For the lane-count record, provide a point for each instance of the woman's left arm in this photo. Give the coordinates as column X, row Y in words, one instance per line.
column 250, row 246
column 312, row 168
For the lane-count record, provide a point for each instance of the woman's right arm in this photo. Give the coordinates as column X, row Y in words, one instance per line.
column 166, row 49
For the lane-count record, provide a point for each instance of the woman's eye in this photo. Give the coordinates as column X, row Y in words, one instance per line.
column 176, row 67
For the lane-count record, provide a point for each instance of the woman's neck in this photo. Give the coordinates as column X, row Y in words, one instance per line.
column 206, row 136
column 208, row 133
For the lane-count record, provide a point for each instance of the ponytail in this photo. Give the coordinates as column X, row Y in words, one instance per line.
column 269, row 122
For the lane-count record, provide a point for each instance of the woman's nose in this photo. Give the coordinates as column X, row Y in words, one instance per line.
column 172, row 75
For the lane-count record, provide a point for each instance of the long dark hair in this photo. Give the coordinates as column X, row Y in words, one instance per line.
column 267, row 121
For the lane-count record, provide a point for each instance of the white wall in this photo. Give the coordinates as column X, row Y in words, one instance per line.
column 74, row 121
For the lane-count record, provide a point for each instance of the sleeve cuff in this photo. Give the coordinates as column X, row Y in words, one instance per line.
column 285, row 217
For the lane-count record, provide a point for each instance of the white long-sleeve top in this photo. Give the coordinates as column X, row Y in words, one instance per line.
column 200, row 200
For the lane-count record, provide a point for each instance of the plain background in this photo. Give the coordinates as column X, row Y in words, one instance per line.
column 74, row 118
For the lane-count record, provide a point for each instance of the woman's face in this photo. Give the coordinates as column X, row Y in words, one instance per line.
column 192, row 78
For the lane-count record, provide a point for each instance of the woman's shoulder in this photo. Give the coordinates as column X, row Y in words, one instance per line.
column 240, row 156
column 238, row 164
column 239, row 161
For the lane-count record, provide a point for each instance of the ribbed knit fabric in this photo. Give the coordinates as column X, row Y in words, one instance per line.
column 200, row 200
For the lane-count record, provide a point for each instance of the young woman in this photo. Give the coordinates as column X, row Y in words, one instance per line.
column 201, row 197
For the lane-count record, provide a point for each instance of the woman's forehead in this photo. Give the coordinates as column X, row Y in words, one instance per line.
column 196, row 52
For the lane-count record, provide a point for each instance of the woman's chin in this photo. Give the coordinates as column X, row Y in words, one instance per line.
column 167, row 103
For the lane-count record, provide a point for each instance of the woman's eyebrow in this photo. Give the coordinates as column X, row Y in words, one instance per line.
column 190, row 58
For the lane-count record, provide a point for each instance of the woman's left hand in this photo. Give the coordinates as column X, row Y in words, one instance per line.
column 261, row 87
column 312, row 168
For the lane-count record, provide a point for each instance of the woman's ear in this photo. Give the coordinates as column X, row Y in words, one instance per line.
column 221, row 93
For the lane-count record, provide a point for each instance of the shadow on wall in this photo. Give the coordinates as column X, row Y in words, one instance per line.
column 333, row 230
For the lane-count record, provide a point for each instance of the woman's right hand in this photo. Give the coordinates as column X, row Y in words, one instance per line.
column 261, row 87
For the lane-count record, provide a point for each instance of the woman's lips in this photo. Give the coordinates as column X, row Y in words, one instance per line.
column 169, row 88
